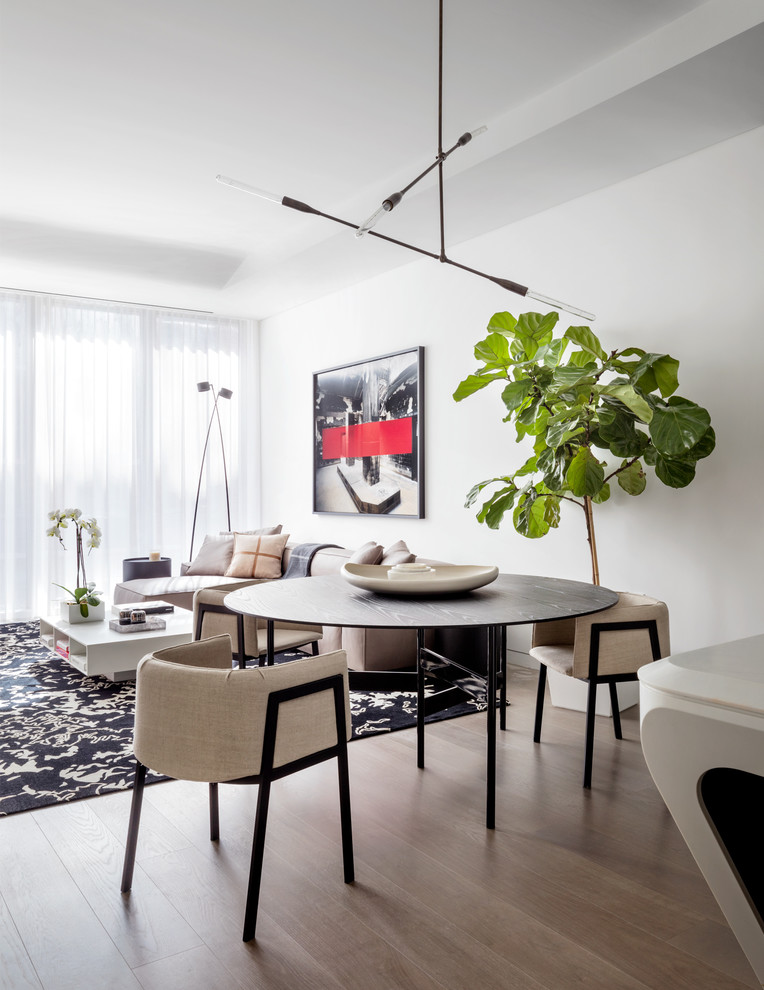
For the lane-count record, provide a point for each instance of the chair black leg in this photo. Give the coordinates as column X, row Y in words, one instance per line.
column 256, row 866
column 314, row 647
column 539, row 703
column 345, row 818
column 591, row 704
column 132, row 829
column 419, row 700
column 615, row 710
column 214, row 814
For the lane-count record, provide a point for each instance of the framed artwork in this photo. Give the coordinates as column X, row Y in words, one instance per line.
column 368, row 436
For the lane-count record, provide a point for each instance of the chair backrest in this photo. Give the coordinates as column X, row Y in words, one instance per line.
column 621, row 651
column 198, row 721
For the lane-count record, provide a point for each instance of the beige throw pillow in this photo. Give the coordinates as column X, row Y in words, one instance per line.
column 214, row 556
column 398, row 553
column 369, row 553
column 257, row 556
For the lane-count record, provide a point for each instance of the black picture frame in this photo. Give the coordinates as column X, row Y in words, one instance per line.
column 368, row 436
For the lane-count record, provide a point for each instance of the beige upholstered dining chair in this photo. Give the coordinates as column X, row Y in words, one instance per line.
column 604, row 648
column 196, row 718
column 248, row 634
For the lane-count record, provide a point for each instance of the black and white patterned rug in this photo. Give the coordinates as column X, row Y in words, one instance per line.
column 64, row 736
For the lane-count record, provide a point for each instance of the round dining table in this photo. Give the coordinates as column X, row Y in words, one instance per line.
column 512, row 599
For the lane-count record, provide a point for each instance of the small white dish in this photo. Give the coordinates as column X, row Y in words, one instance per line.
column 443, row 579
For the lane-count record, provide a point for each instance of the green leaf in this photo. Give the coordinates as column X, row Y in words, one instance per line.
column 529, row 517
column 527, row 416
column 569, row 376
column 584, row 338
column 473, row 493
column 631, row 399
column 616, row 428
column 473, row 383
column 553, row 466
column 655, row 371
column 515, row 394
column 666, row 371
column 579, row 358
column 552, row 511
column 602, row 495
column 704, row 446
column 677, row 426
column 585, row 474
column 563, row 431
column 494, row 350
column 540, row 423
column 535, row 330
column 528, row 468
column 674, row 472
column 554, row 352
column 502, row 323
column 493, row 511
column 632, row 478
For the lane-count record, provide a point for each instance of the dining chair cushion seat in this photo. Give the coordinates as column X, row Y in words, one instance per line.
column 286, row 635
column 559, row 658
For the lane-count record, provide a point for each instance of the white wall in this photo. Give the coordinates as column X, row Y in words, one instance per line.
column 670, row 261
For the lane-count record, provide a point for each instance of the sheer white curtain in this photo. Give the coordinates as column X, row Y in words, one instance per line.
column 100, row 412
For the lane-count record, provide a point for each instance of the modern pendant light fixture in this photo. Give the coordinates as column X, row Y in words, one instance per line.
column 223, row 393
column 389, row 204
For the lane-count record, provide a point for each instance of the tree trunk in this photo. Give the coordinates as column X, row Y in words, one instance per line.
column 591, row 538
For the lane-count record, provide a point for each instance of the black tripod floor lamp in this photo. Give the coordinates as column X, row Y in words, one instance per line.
column 223, row 393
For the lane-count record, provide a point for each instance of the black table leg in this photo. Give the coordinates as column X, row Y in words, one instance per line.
column 270, row 642
column 494, row 639
column 420, row 712
column 503, row 678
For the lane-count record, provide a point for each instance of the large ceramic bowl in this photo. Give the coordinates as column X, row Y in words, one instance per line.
column 405, row 579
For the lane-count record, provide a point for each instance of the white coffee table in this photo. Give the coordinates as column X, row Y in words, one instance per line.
column 96, row 650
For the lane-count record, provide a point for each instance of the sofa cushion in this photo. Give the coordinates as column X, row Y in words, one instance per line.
column 178, row 591
column 398, row 553
column 369, row 553
column 257, row 556
column 214, row 556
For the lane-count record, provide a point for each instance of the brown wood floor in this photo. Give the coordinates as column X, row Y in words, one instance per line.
column 572, row 890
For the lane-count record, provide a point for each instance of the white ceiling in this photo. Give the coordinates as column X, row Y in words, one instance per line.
column 115, row 118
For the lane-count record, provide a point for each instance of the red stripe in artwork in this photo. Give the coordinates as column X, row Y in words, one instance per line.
column 389, row 436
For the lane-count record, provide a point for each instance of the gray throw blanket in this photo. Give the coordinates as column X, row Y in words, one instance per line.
column 300, row 558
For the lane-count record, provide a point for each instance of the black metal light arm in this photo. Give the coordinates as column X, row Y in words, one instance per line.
column 394, row 199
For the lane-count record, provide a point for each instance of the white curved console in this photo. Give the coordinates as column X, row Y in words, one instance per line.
column 702, row 721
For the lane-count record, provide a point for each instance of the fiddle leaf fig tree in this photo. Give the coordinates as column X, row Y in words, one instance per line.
column 592, row 419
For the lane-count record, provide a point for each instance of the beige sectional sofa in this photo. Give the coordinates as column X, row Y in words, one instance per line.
column 367, row 649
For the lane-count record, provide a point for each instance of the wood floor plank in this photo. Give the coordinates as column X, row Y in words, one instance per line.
column 65, row 940
column 716, row 945
column 144, row 927
column 157, row 835
column 196, row 967
column 16, row 969
column 431, row 902
column 332, row 943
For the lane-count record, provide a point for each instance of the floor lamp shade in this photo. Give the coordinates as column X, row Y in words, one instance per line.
column 223, row 393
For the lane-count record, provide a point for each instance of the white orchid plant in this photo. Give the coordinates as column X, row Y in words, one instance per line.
column 85, row 593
